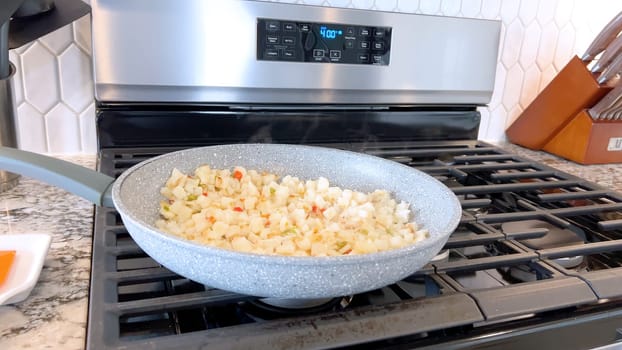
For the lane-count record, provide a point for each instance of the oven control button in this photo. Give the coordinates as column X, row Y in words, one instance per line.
column 271, row 53
column 336, row 54
column 376, row 58
column 364, row 58
column 289, row 27
column 364, row 32
column 272, row 39
column 289, row 40
column 364, row 44
column 318, row 53
column 305, row 27
column 379, row 33
column 290, row 54
column 272, row 26
column 350, row 31
column 349, row 44
column 378, row 45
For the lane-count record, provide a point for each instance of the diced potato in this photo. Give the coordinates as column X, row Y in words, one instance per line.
column 180, row 193
column 303, row 243
column 241, row 244
column 322, row 184
column 287, row 247
column 251, row 211
column 319, row 249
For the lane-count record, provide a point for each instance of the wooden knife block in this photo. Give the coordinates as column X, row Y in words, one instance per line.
column 588, row 141
column 572, row 90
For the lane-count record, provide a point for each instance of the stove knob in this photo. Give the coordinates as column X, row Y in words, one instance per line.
column 310, row 41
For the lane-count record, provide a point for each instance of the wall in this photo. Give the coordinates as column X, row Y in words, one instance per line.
column 54, row 85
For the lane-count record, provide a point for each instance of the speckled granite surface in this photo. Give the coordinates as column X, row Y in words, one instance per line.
column 54, row 315
column 606, row 175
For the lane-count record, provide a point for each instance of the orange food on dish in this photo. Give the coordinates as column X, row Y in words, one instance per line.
column 6, row 261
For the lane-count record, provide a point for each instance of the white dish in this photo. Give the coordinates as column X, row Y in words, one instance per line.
column 30, row 251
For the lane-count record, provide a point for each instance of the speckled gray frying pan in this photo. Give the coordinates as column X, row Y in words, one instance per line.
column 136, row 196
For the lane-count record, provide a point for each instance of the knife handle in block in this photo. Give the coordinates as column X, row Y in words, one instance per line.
column 602, row 40
column 611, row 52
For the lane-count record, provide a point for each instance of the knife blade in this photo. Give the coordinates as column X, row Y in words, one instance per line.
column 611, row 70
column 604, row 38
column 617, row 108
column 613, row 114
column 613, row 110
column 602, row 107
column 613, row 50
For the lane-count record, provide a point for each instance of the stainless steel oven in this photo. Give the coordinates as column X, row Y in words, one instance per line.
column 535, row 261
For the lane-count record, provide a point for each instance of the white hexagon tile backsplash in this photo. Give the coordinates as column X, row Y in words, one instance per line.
column 54, row 85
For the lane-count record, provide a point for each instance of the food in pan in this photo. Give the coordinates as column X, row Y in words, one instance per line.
column 249, row 211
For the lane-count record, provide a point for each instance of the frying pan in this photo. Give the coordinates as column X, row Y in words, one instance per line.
column 136, row 196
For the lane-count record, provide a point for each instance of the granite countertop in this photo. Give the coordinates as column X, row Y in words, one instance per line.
column 606, row 175
column 54, row 315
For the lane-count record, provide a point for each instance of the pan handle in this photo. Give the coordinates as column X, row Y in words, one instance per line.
column 86, row 183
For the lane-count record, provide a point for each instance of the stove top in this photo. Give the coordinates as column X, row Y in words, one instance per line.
column 537, row 251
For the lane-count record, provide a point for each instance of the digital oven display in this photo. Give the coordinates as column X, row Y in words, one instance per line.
column 284, row 40
column 328, row 33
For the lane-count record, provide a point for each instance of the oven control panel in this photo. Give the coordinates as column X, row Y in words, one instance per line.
column 284, row 40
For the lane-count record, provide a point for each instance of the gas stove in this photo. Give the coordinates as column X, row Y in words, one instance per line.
column 535, row 261
column 536, row 257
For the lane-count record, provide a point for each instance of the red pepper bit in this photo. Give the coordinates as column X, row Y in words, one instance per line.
column 211, row 219
column 317, row 211
column 205, row 193
column 237, row 175
column 238, row 209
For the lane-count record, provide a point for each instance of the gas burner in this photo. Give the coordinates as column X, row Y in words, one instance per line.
column 525, row 273
column 401, row 159
column 477, row 211
column 273, row 308
column 296, row 304
column 556, row 237
column 442, row 256
column 518, row 274
column 478, row 208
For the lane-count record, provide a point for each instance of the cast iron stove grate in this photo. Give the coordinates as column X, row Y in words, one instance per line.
column 490, row 280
